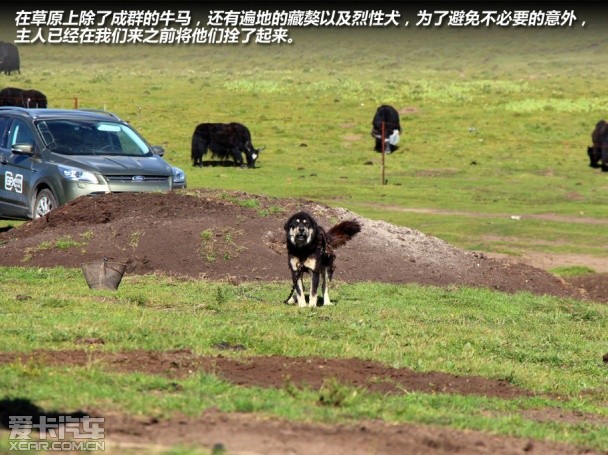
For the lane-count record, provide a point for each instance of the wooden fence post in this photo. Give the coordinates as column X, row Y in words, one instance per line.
column 382, row 136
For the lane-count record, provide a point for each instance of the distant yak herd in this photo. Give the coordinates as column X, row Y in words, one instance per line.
column 233, row 140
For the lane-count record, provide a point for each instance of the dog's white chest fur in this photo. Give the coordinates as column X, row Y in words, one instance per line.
column 310, row 263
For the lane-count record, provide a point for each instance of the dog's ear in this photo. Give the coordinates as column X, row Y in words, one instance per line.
column 313, row 222
column 288, row 224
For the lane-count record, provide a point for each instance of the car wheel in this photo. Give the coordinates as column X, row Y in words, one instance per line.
column 45, row 202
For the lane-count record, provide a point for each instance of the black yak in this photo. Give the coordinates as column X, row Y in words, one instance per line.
column 392, row 128
column 12, row 96
column 225, row 140
column 599, row 148
column 34, row 99
column 9, row 58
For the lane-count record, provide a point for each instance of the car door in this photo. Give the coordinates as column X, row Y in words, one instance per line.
column 5, row 154
column 16, row 171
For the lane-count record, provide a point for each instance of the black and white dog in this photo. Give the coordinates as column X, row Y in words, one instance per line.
column 311, row 249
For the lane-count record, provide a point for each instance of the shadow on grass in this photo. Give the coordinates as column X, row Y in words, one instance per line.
column 11, row 407
column 221, row 163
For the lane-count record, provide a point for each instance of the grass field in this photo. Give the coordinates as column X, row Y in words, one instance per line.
column 462, row 331
column 496, row 123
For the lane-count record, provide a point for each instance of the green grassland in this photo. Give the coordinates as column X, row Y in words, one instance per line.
column 496, row 123
column 546, row 345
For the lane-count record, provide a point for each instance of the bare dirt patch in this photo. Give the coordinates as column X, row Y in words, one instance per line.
column 353, row 137
column 277, row 371
column 594, row 285
column 247, row 434
column 408, row 110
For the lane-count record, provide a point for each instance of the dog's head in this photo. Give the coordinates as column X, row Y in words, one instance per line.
column 300, row 228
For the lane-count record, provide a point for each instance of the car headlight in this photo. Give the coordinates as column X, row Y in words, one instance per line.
column 75, row 174
column 179, row 176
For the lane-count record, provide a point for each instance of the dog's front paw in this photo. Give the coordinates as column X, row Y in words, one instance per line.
column 301, row 299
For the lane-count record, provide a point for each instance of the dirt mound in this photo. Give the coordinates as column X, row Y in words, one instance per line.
column 240, row 237
column 593, row 285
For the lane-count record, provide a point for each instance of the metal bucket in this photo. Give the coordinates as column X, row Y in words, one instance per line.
column 103, row 274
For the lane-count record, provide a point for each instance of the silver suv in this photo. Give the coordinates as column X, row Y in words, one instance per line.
column 51, row 156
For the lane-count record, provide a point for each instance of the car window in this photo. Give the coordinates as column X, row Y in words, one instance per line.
column 4, row 122
column 70, row 137
column 20, row 133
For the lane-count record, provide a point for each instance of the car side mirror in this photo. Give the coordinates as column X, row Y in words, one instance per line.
column 158, row 150
column 22, row 149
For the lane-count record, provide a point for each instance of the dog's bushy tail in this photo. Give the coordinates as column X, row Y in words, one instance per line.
column 342, row 233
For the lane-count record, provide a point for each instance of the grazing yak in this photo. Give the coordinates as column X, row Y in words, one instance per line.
column 392, row 128
column 9, row 58
column 34, row 99
column 599, row 148
column 12, row 96
column 225, row 140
